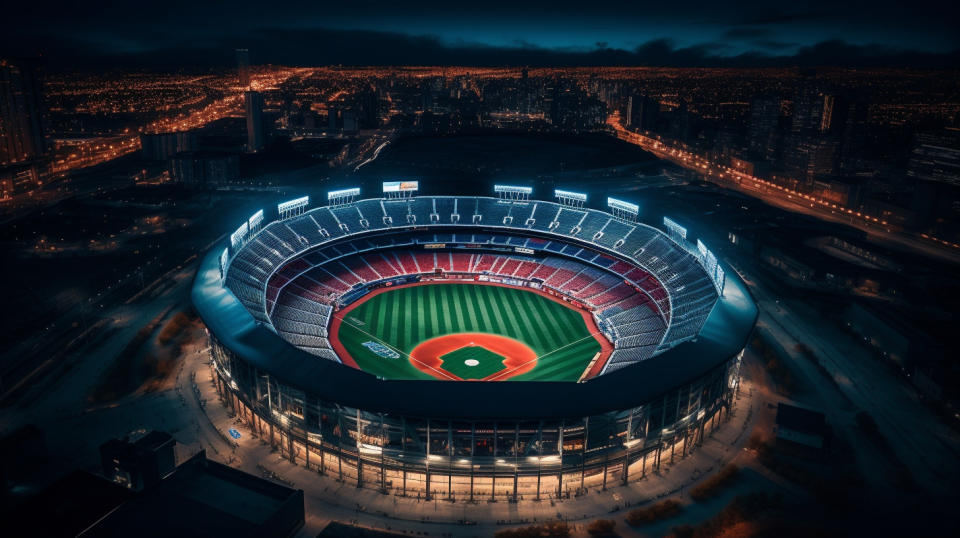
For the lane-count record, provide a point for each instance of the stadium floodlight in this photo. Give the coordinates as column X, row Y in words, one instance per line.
column 702, row 248
column 512, row 188
column 224, row 256
column 558, row 193
column 342, row 197
column 674, row 230
column 255, row 221
column 624, row 211
column 293, row 207
column 343, row 192
column 708, row 260
column 513, row 192
column 719, row 279
column 623, row 206
column 400, row 189
column 237, row 238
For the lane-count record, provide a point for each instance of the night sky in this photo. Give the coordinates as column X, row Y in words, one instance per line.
column 362, row 32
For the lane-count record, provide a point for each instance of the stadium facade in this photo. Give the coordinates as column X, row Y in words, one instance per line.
column 675, row 322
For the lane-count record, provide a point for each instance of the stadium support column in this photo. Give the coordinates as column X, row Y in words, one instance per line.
column 473, row 448
column 583, row 452
column 560, row 450
column 383, row 463
column 493, row 480
column 516, row 459
column 539, row 457
column 339, row 445
column 643, row 445
column 626, row 458
column 273, row 441
column 359, row 431
column 450, row 460
column 606, row 460
column 403, row 450
column 427, row 462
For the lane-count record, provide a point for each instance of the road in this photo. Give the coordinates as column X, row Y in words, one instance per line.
column 779, row 196
column 920, row 440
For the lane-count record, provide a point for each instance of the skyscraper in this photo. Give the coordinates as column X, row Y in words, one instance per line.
column 642, row 112
column 21, row 131
column 764, row 119
column 255, row 133
column 243, row 67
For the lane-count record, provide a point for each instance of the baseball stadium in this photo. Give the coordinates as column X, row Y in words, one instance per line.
column 476, row 346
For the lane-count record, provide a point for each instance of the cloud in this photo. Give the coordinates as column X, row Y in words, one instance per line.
column 313, row 47
column 747, row 33
column 773, row 45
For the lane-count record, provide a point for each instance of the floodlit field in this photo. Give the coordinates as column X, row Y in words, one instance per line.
column 467, row 331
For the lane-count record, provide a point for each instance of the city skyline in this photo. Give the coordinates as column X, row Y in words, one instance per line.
column 512, row 269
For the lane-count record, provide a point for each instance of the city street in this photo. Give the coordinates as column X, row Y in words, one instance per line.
column 921, row 441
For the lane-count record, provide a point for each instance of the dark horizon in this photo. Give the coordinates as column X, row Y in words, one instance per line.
column 696, row 34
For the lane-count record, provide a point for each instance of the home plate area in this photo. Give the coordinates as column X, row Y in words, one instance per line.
column 472, row 362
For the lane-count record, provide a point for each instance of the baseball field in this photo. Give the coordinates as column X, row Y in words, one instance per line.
column 466, row 331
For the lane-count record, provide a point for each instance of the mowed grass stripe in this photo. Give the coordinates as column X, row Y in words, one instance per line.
column 421, row 327
column 486, row 325
column 520, row 315
column 489, row 303
column 457, row 306
column 533, row 308
column 448, row 317
column 466, row 292
column 561, row 360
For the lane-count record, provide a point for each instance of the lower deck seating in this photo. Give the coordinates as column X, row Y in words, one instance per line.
column 303, row 298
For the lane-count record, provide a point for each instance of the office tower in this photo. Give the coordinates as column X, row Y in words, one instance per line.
column 255, row 131
column 813, row 112
column 762, row 128
column 642, row 112
column 243, row 67
column 21, row 131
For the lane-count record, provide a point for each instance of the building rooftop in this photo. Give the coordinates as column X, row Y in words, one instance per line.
column 202, row 498
column 801, row 420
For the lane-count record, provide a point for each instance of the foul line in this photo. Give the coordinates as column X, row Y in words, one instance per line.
column 495, row 376
column 385, row 344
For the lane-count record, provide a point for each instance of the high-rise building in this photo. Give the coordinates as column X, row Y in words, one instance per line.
column 256, row 138
column 642, row 112
column 763, row 123
column 813, row 112
column 205, row 169
column 21, row 129
column 160, row 146
column 243, row 67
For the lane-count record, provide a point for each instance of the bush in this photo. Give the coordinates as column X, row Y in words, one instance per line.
column 174, row 327
column 662, row 510
column 601, row 527
column 711, row 486
column 558, row 529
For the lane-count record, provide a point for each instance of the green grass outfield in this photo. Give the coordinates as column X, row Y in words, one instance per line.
column 405, row 317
